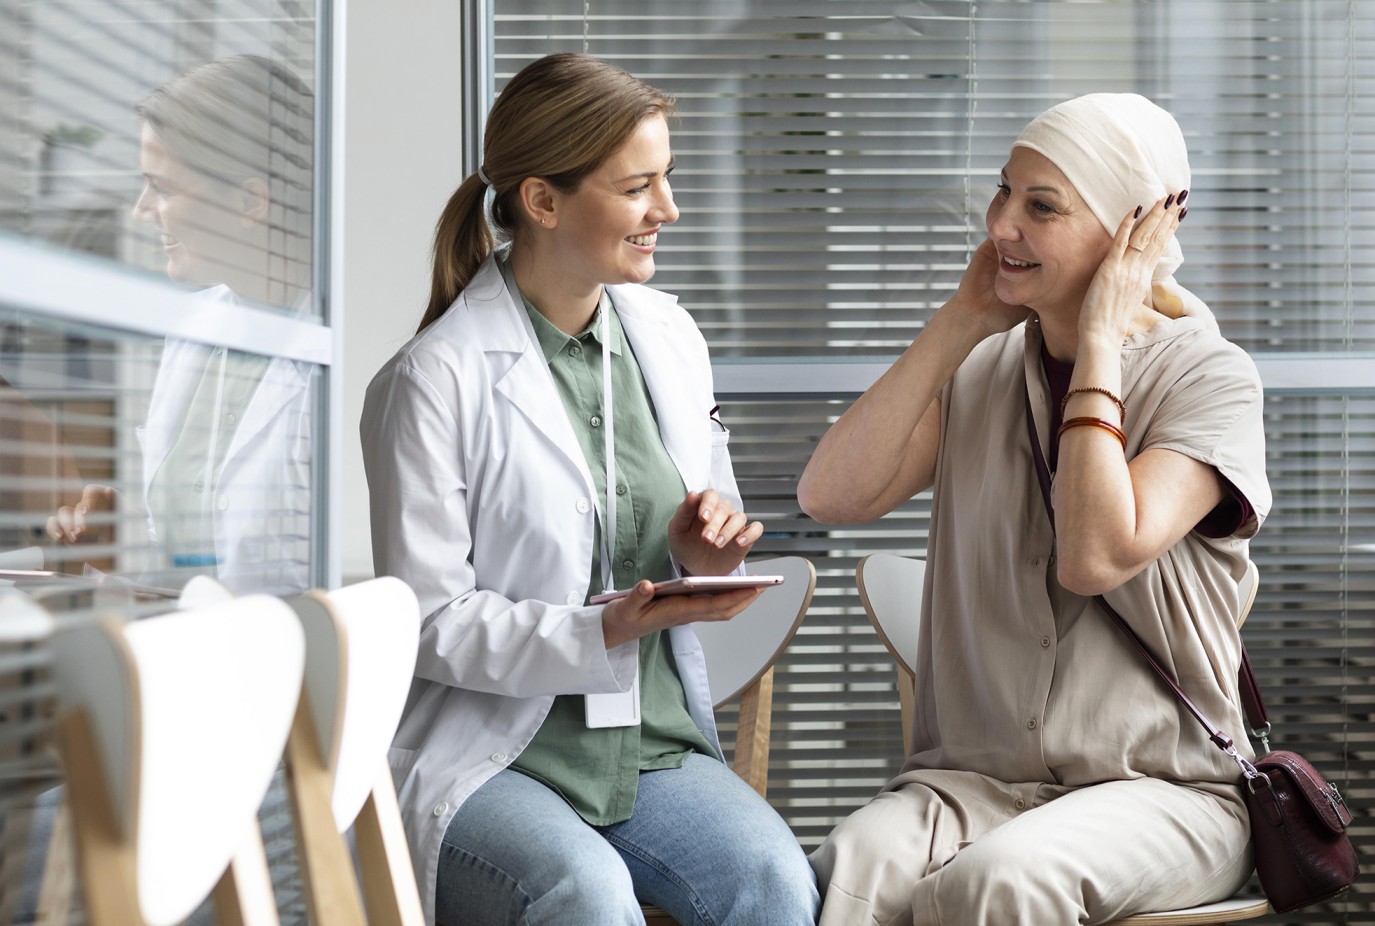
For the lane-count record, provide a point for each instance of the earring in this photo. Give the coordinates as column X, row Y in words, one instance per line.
column 541, row 221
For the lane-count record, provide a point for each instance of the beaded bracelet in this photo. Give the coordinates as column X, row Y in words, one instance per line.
column 1086, row 422
column 1121, row 406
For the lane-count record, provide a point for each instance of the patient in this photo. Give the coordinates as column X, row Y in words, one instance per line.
column 1053, row 779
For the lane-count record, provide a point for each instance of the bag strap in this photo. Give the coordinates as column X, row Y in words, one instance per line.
column 1215, row 734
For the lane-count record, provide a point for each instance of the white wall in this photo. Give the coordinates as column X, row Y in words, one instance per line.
column 402, row 159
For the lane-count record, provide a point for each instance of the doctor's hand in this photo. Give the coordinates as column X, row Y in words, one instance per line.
column 72, row 524
column 639, row 613
column 708, row 537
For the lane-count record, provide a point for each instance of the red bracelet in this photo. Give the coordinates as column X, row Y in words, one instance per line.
column 1108, row 426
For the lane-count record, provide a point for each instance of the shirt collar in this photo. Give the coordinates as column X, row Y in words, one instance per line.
column 554, row 341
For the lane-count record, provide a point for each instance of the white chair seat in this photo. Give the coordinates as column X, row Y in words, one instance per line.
column 1224, row 911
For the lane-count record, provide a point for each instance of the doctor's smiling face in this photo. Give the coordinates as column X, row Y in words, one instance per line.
column 607, row 230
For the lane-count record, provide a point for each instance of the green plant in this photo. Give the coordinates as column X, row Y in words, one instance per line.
column 75, row 136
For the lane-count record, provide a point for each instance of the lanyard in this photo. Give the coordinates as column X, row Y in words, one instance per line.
column 606, row 511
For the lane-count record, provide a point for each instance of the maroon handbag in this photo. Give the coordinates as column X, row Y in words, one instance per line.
column 1298, row 820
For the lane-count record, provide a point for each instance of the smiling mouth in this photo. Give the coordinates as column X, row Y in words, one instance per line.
column 643, row 241
column 1020, row 264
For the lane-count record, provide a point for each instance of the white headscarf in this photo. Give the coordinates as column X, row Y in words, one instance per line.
column 1120, row 151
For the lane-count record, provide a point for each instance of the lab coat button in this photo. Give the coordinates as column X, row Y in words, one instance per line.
column 583, row 506
column 440, row 808
column 498, row 757
column 223, row 503
column 572, row 598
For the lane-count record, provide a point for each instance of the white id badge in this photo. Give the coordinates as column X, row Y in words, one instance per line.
column 621, row 709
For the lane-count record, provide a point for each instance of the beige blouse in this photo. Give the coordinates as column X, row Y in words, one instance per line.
column 1023, row 681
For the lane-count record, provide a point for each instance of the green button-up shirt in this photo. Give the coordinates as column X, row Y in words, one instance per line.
column 597, row 769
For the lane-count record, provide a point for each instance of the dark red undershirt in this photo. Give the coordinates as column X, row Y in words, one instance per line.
column 1223, row 521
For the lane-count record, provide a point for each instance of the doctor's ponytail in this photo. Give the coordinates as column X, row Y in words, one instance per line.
column 558, row 119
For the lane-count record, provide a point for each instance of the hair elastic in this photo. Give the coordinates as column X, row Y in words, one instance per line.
column 481, row 175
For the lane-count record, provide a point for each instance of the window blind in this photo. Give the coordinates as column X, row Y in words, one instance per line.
column 835, row 158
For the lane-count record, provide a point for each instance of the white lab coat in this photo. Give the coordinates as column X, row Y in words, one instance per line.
column 481, row 500
column 262, row 500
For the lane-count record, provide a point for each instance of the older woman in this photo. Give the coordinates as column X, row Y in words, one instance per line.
column 546, row 435
column 1053, row 780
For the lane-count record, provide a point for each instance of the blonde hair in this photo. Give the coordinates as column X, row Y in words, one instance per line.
column 558, row 119
column 242, row 117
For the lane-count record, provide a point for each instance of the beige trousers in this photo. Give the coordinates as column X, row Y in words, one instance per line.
column 939, row 848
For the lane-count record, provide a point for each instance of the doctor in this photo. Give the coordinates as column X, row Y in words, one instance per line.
column 557, row 760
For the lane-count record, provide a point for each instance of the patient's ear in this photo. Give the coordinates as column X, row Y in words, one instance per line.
column 254, row 201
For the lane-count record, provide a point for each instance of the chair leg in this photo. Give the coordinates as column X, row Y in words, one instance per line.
column 243, row 896
column 104, row 859
column 327, row 876
column 907, row 700
column 389, row 889
column 752, row 733
column 55, row 890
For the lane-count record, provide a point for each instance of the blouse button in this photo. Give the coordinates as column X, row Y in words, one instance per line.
column 1019, row 804
column 1031, row 724
column 1045, row 641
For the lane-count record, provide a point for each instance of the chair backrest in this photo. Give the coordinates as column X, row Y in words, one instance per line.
column 740, row 654
column 170, row 730
column 361, row 646
column 740, row 650
column 1246, row 591
column 890, row 588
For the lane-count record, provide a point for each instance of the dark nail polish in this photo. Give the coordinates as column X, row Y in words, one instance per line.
column 1169, row 201
column 1183, row 195
column 1182, row 214
column 1137, row 214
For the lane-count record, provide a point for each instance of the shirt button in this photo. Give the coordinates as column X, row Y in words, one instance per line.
column 595, row 421
column 627, row 564
column 583, row 506
column 1031, row 724
column 620, row 490
column 1019, row 804
column 440, row 808
column 1045, row 641
column 498, row 757
column 574, row 350
column 198, row 486
column 233, row 417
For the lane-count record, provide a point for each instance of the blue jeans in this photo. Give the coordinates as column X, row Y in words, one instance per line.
column 701, row 844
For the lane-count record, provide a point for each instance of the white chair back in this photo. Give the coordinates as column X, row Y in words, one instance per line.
column 361, row 645
column 890, row 587
column 189, row 712
column 740, row 650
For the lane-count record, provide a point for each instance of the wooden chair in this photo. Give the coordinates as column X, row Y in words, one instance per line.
column 361, row 644
column 890, row 588
column 169, row 730
column 740, row 655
